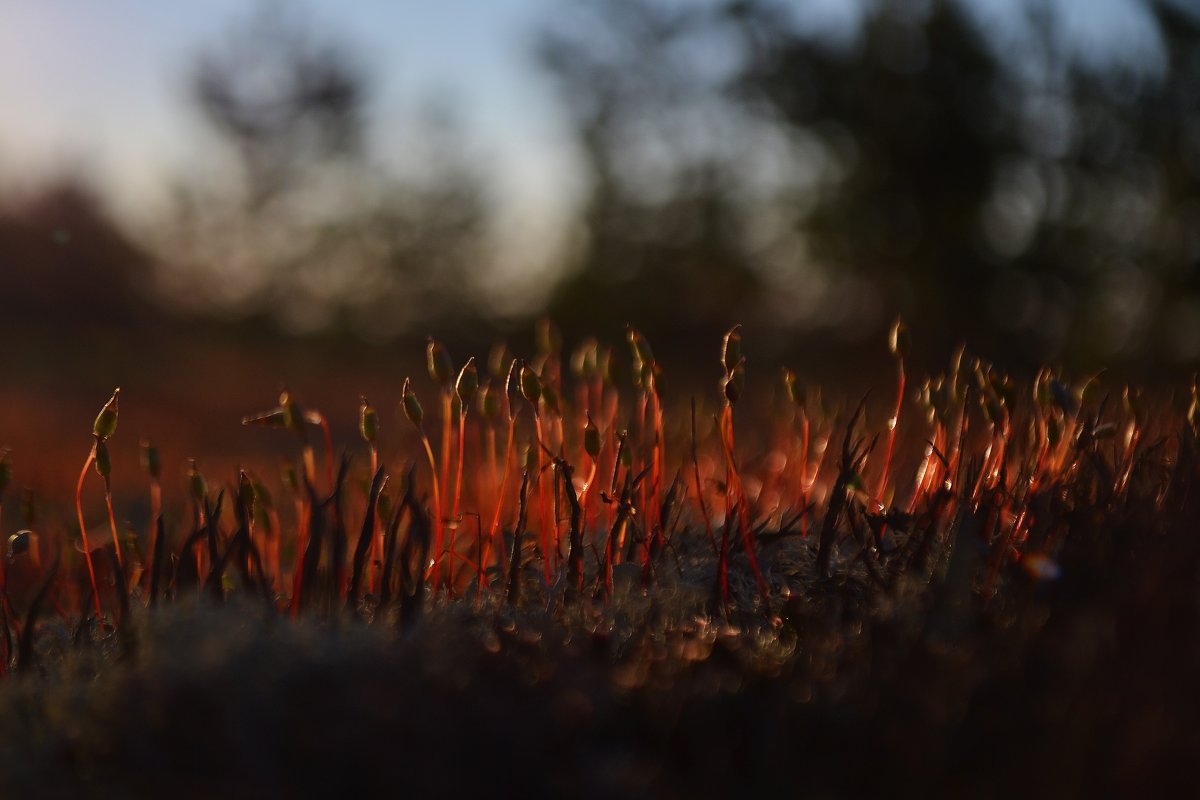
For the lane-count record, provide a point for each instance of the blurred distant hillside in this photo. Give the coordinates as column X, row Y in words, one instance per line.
column 64, row 262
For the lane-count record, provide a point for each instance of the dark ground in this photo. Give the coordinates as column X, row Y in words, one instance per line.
column 1080, row 687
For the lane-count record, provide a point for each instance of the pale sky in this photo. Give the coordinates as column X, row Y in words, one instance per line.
column 98, row 84
column 103, row 81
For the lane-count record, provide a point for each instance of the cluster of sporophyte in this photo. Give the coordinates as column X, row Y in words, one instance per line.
column 551, row 474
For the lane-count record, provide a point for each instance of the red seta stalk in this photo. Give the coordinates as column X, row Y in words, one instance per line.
column 87, row 550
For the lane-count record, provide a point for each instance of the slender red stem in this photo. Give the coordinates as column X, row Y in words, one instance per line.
column 447, row 413
column 87, row 550
column 112, row 522
column 543, row 509
column 437, row 511
column 495, row 531
column 734, row 483
column 310, row 464
column 298, row 559
column 804, row 484
column 893, row 423
column 656, row 468
column 155, row 511
column 377, row 532
column 489, row 451
column 454, row 514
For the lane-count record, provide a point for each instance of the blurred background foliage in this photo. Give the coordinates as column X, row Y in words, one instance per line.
column 1031, row 196
column 1014, row 186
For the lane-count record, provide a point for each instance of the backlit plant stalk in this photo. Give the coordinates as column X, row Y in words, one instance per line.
column 416, row 415
column 1131, row 399
column 934, row 396
column 614, row 444
column 198, row 492
column 796, row 395
column 102, row 429
column 267, row 520
column 993, row 388
column 548, row 339
column 489, row 410
column 291, row 480
column 647, row 373
column 313, row 417
column 466, row 387
column 153, row 466
column 531, row 390
column 584, row 368
column 643, row 372
column 732, row 387
column 290, row 416
column 898, row 343
column 509, row 388
column 552, row 441
column 368, row 427
column 958, row 389
column 104, row 470
column 441, row 371
column 591, row 448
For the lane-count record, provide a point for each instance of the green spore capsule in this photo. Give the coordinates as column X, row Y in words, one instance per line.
column 106, row 421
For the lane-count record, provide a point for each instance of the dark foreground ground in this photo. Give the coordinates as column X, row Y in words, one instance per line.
column 1084, row 686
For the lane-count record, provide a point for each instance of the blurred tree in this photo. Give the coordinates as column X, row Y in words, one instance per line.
column 282, row 100
column 911, row 114
column 1010, row 187
column 662, row 232
column 1120, row 225
column 314, row 231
